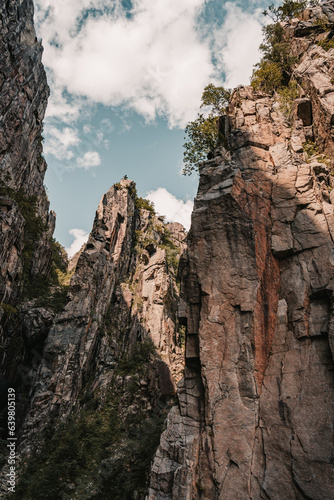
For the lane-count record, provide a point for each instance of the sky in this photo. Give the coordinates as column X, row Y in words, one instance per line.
column 126, row 76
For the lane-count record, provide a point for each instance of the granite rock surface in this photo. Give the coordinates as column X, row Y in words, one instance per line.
column 255, row 412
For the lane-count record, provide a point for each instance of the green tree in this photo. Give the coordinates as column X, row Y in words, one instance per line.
column 275, row 67
column 267, row 76
column 203, row 135
column 287, row 10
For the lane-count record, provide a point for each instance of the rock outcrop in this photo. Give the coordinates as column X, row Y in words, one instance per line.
column 255, row 412
column 26, row 225
column 23, row 98
column 121, row 292
column 112, row 355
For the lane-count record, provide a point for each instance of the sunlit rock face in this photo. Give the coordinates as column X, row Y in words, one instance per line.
column 255, row 414
column 123, row 291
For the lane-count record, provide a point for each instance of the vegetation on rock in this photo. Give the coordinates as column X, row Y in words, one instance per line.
column 110, row 445
column 313, row 153
column 39, row 287
column 275, row 68
column 287, row 96
column 203, row 133
column 288, row 10
column 142, row 203
column 51, row 292
column 172, row 252
column 326, row 44
column 34, row 228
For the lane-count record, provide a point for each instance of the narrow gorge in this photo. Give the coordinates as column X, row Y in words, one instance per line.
column 159, row 364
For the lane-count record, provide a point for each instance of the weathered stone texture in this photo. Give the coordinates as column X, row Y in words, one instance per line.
column 121, row 292
column 23, row 99
column 255, row 414
column 255, row 405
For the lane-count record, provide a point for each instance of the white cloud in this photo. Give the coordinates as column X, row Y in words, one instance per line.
column 89, row 160
column 106, row 125
column 236, row 45
column 154, row 62
column 80, row 237
column 172, row 208
column 59, row 141
column 61, row 107
column 87, row 129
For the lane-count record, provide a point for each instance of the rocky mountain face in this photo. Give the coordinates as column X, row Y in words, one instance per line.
column 98, row 358
column 255, row 412
column 123, row 291
column 26, row 225
column 23, row 99
column 111, row 358
column 93, row 353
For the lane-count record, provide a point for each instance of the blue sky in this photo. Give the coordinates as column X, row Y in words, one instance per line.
column 126, row 77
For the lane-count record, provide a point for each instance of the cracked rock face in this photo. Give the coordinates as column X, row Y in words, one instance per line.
column 23, row 201
column 23, row 98
column 254, row 418
column 123, row 291
column 256, row 405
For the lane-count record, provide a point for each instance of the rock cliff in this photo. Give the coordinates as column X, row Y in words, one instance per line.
column 98, row 358
column 111, row 358
column 123, row 291
column 26, row 225
column 23, row 99
column 255, row 412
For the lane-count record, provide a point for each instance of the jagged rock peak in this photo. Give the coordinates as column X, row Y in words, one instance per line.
column 123, row 293
column 115, row 351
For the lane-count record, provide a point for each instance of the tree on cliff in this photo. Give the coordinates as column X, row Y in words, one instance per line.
column 288, row 9
column 275, row 68
column 203, row 132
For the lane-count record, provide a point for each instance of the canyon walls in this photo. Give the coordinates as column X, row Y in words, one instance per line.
column 217, row 344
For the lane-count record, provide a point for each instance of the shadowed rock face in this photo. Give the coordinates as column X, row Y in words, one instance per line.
column 255, row 414
column 23, row 98
column 24, row 253
column 123, row 295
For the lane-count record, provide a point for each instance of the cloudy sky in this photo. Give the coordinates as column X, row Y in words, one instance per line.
column 126, row 77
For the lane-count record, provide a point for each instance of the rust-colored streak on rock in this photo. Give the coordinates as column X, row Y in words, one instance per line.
column 255, row 198
column 265, row 317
